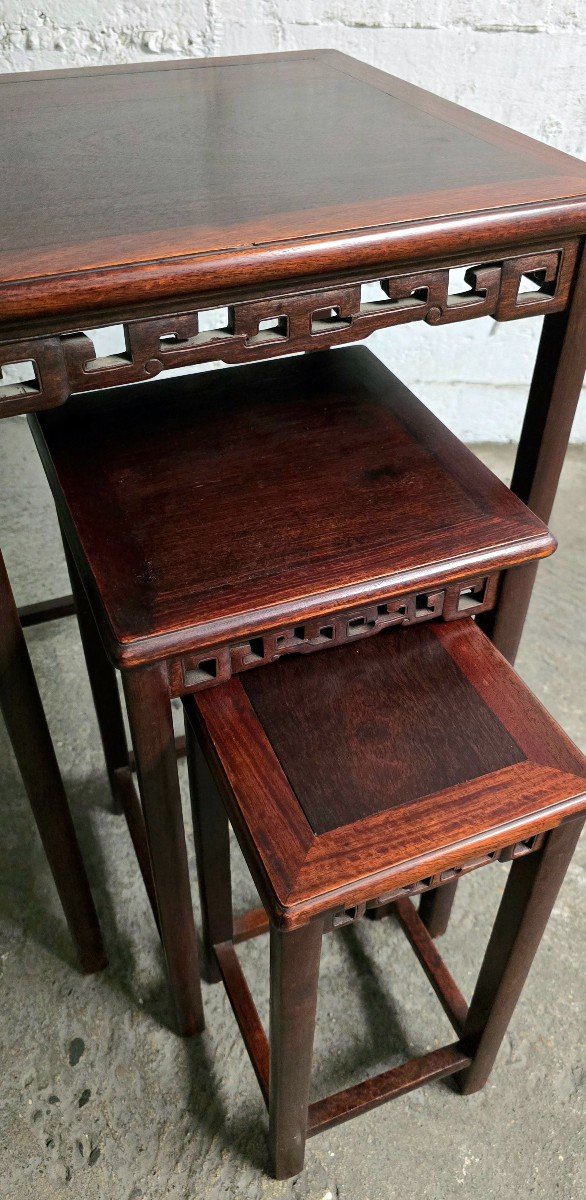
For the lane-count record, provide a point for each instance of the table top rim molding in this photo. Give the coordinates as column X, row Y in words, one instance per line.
column 374, row 855
column 375, row 229
column 357, row 560
column 301, row 319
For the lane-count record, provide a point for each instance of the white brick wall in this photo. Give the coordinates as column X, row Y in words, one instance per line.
column 518, row 61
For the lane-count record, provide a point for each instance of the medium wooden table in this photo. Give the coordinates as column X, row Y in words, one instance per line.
column 270, row 193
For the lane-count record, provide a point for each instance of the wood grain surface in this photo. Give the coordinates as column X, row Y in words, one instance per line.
column 383, row 740
column 218, row 505
column 170, row 178
column 538, row 783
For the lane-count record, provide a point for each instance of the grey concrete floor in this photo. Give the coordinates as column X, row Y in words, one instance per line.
column 99, row 1099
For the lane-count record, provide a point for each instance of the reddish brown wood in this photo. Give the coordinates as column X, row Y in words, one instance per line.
column 555, row 390
column 46, row 610
column 363, row 1097
column 207, row 668
column 212, row 847
column 180, row 750
column 48, row 384
column 319, row 857
column 445, row 988
column 387, row 173
column 104, row 685
column 29, row 736
column 344, row 734
column 129, row 800
column 151, row 724
column 435, row 908
column 244, row 1010
column 254, row 328
column 553, row 398
column 294, row 978
column 435, row 834
column 250, row 925
column 430, row 188
column 303, row 487
column 527, row 901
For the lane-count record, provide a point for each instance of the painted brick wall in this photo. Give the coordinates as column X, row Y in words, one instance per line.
column 517, row 61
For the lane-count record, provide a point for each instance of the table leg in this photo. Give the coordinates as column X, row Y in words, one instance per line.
column 295, row 959
column 555, row 391
column 149, row 712
column 528, row 898
column 435, row 908
column 103, row 682
column 553, row 398
column 33, row 749
column 212, row 848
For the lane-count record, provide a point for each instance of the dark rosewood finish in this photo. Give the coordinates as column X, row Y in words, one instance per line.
column 29, row 734
column 390, row 184
column 103, row 681
column 528, row 899
column 46, row 610
column 260, row 326
column 320, row 858
column 220, row 507
column 294, row 979
column 247, row 171
column 347, row 748
column 461, row 799
column 336, row 815
column 554, row 395
column 151, row 726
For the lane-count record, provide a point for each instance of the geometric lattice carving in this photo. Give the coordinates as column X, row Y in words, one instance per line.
column 193, row 672
column 298, row 320
column 508, row 854
column 50, row 386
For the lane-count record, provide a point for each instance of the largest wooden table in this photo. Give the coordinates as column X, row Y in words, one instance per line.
column 273, row 188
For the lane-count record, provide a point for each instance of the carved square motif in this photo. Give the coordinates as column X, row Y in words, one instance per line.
column 325, row 319
column 39, row 379
column 270, row 329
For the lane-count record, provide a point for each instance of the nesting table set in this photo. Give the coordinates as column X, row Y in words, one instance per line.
column 297, row 548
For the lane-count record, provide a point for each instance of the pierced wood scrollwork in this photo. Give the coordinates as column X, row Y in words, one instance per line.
column 193, row 672
column 508, row 854
column 300, row 320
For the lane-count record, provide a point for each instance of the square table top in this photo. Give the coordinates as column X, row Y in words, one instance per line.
column 180, row 176
column 315, row 760
column 220, row 505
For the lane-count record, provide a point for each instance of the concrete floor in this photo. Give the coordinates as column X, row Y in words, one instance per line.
column 100, row 1100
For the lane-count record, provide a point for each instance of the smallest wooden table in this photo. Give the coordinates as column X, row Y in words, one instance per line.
column 335, row 814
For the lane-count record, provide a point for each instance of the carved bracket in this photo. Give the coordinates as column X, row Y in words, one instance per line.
column 516, row 850
column 193, row 672
column 248, row 330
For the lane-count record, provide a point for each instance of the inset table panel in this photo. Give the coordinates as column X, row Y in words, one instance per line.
column 399, row 764
column 193, row 174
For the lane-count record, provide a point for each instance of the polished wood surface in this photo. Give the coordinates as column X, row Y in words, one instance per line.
column 363, row 843
column 26, row 725
column 220, row 505
column 267, row 323
column 169, row 176
column 151, row 726
column 462, row 191
column 553, row 399
column 263, row 763
column 529, row 896
column 344, row 734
